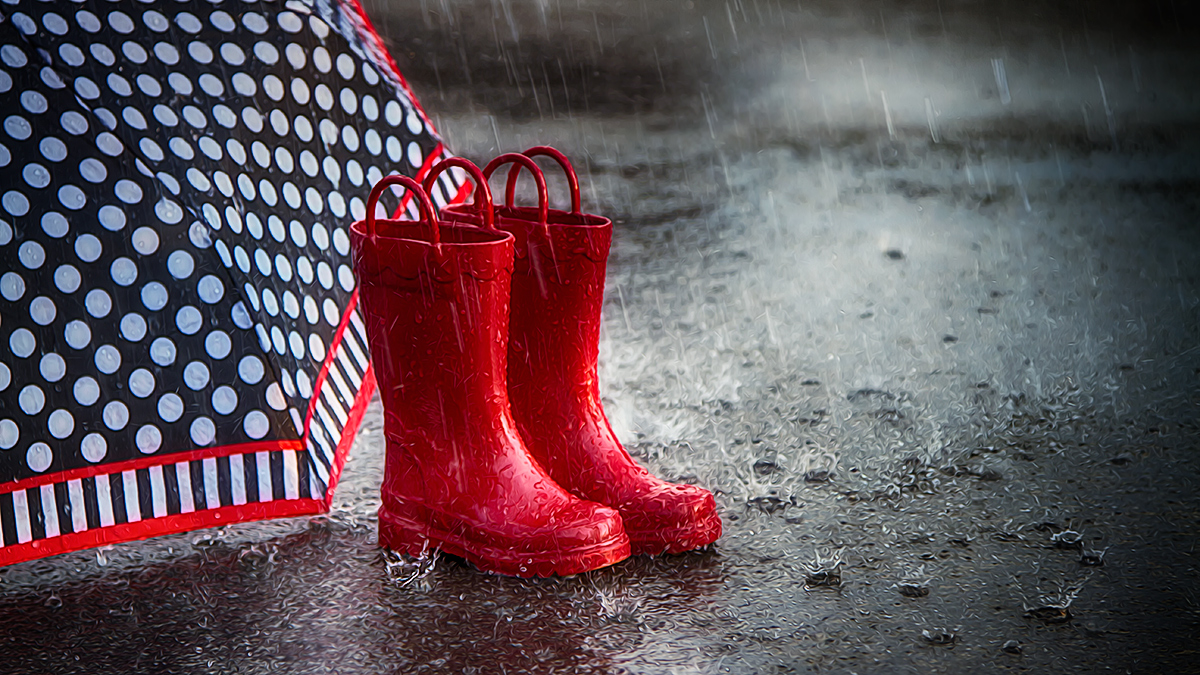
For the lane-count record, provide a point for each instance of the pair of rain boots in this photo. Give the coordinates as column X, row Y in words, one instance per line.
column 498, row 449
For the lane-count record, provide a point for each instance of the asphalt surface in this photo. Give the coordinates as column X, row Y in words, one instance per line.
column 914, row 288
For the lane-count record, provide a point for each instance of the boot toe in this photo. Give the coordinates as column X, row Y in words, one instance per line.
column 671, row 518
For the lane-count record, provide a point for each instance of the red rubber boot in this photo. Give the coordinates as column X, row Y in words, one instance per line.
column 557, row 295
column 457, row 476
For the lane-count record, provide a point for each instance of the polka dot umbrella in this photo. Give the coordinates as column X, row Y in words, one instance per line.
column 177, row 306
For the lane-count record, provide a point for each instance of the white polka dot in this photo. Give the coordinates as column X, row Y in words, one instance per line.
column 119, row 85
column 17, row 127
column 42, row 310
column 141, row 383
column 278, row 340
column 120, row 22
column 211, row 289
column 154, row 296
column 197, row 179
column 289, row 22
column 39, row 457
column 304, row 270
column 162, row 351
column 295, row 55
column 370, row 107
column 128, row 191
column 329, row 131
column 311, row 313
column 151, row 150
column 291, row 195
column 77, row 334
column 195, row 376
column 12, row 286
column 87, row 21
column 10, row 433
column 323, row 96
column 211, row 85
column 345, row 66
column 31, row 399
column 53, row 367
column 115, row 415
column 166, row 53
column 296, row 343
column 134, row 52
column 246, row 186
column 93, row 170
column 392, row 113
column 314, row 201
column 303, row 384
column 199, row 235
column 85, row 87
column 61, row 424
column 112, row 218
column 256, row 424
column 93, row 447
column 33, row 102
column 98, row 303
column 183, row 86
column 267, row 53
column 241, row 258
column 53, row 149
column 415, row 157
column 269, row 302
column 394, row 150
column 321, row 59
column 55, row 23
column 67, row 278
column 124, row 271
column 275, row 397
column 149, row 85
column 168, row 211
column 189, row 320
column 300, row 91
column 304, row 128
column 6, row 233
column 148, row 439
column 15, row 203
column 414, row 122
column 217, row 344
column 86, row 390
column 224, row 400
column 108, row 359
column 88, row 248
column 232, row 54
column 239, row 315
column 22, row 343
column 224, row 185
column 170, row 407
column 200, row 52
column 333, row 314
column 222, row 21
column 316, row 347
column 244, row 84
column 325, row 275
column 350, row 138
column 180, row 264
column 133, row 327
column 36, row 175
column 285, row 379
column 354, row 172
column 188, row 22
column 203, row 431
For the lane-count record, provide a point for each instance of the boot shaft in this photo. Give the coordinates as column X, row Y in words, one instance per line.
column 437, row 324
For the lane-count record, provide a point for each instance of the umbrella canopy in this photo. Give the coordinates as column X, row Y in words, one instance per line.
column 177, row 306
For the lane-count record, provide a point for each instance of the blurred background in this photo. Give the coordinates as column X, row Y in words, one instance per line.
column 912, row 286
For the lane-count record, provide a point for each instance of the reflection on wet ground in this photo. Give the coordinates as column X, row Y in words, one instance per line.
column 935, row 352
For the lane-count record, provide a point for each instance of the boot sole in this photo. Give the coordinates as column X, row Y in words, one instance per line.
column 413, row 538
column 677, row 540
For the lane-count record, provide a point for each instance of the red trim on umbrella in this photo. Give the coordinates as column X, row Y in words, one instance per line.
column 153, row 527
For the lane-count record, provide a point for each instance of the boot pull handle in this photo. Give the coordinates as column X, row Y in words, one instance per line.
column 428, row 213
column 545, row 151
column 538, row 178
column 483, row 194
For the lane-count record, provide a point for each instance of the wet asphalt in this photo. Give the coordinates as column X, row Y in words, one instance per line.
column 912, row 287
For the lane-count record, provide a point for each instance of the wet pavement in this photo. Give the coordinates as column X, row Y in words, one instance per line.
column 913, row 287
